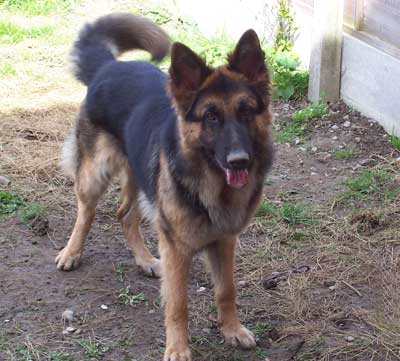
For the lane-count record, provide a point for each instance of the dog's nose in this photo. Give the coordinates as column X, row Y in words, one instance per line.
column 238, row 159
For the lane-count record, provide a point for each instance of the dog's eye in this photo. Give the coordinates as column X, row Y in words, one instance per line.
column 211, row 118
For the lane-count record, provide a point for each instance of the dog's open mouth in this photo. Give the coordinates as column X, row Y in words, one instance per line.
column 236, row 178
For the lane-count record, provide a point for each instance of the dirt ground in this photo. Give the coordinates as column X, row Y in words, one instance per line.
column 345, row 308
column 331, row 207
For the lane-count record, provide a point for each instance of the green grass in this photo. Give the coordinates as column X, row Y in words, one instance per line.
column 296, row 127
column 7, row 70
column 38, row 7
column 92, row 348
column 11, row 33
column 295, row 214
column 9, row 203
column 395, row 141
column 32, row 211
column 344, row 154
column 366, row 184
column 127, row 298
column 266, row 208
column 290, row 132
column 261, row 329
column 59, row 356
column 314, row 110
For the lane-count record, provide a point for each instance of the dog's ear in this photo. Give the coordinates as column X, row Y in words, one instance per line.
column 248, row 57
column 187, row 73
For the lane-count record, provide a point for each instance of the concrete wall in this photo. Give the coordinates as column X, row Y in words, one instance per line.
column 371, row 82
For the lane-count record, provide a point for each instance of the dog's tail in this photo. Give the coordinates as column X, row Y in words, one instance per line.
column 106, row 38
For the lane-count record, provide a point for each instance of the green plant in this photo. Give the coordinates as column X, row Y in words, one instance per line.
column 121, row 271
column 395, row 141
column 261, row 329
column 286, row 27
column 367, row 183
column 266, row 208
column 295, row 214
column 9, row 203
column 32, row 211
column 260, row 353
column 7, row 69
column 344, row 154
column 38, row 7
column 59, row 356
column 290, row 132
column 288, row 80
column 92, row 348
column 127, row 298
column 314, row 110
column 11, row 33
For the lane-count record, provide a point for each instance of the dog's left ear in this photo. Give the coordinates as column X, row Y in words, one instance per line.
column 248, row 57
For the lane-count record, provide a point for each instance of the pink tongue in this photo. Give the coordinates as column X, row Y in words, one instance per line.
column 236, row 178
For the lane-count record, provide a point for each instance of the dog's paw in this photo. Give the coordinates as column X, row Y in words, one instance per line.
column 151, row 268
column 66, row 261
column 172, row 354
column 239, row 336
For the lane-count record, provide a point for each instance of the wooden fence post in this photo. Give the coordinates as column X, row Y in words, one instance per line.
column 326, row 53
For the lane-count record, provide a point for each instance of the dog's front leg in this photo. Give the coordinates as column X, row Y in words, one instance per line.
column 175, row 265
column 221, row 258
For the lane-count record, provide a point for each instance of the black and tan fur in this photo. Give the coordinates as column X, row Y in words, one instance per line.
column 191, row 151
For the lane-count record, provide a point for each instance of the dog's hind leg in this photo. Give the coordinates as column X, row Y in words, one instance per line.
column 130, row 217
column 89, row 186
column 221, row 260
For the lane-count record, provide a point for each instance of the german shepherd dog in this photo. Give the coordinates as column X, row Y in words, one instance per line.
column 191, row 151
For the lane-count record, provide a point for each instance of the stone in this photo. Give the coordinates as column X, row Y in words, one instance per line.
column 347, row 124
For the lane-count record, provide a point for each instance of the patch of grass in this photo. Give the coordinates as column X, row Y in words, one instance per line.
column 314, row 110
column 127, row 298
column 266, row 209
column 295, row 214
column 290, row 132
column 344, row 154
column 260, row 353
column 261, row 329
column 121, row 270
column 38, row 7
column 367, row 183
column 296, row 126
column 32, row 211
column 93, row 348
column 7, row 70
column 9, row 203
column 395, row 141
column 59, row 356
column 11, row 33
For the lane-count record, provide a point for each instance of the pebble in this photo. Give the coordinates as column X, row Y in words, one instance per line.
column 314, row 174
column 346, row 117
column 201, row 289
column 334, row 127
column 6, row 321
column 243, row 283
column 70, row 330
column 152, row 311
column 314, row 149
column 357, row 139
column 347, row 124
column 297, row 141
column 4, row 181
column 332, row 288
column 104, row 307
column 349, row 338
column 206, row 330
column 335, row 138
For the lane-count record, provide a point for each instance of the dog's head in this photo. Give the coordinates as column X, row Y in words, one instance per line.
column 223, row 112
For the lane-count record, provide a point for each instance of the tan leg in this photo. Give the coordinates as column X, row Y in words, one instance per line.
column 221, row 258
column 88, row 189
column 175, row 274
column 130, row 218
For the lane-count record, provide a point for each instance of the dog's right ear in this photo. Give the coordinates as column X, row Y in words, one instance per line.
column 187, row 72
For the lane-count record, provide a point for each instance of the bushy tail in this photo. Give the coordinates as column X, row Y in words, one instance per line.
column 111, row 35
